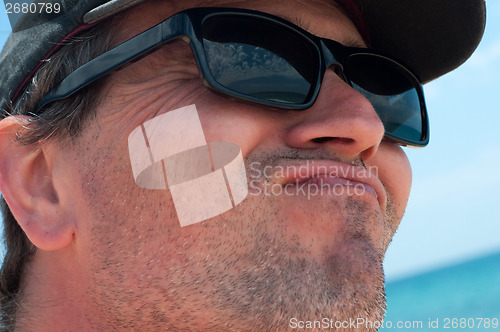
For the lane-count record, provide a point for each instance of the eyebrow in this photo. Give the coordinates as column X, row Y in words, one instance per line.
column 350, row 42
column 298, row 21
column 354, row 42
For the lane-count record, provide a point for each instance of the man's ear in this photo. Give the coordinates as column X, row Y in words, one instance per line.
column 27, row 184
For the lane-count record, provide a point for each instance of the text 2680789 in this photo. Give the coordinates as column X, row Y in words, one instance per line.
column 32, row 8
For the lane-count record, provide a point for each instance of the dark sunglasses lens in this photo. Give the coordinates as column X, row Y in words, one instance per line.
column 260, row 60
column 392, row 90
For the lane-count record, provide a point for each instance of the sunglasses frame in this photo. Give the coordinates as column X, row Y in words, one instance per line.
column 188, row 25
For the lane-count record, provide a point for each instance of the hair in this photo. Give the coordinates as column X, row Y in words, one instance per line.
column 63, row 121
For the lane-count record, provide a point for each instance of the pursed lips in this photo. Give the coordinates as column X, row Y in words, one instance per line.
column 328, row 172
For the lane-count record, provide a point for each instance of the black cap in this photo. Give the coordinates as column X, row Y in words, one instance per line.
column 432, row 37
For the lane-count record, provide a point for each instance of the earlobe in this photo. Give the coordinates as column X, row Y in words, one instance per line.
column 27, row 184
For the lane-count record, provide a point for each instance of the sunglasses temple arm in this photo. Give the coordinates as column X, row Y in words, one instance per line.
column 131, row 50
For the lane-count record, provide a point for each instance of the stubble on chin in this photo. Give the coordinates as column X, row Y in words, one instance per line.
column 280, row 278
column 258, row 273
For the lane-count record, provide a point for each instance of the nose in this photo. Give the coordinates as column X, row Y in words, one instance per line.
column 341, row 120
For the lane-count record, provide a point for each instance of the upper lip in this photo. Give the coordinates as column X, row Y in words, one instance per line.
column 312, row 168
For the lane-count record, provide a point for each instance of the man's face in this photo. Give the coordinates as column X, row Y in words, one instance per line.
column 272, row 257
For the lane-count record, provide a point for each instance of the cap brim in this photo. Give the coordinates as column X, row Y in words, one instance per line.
column 432, row 37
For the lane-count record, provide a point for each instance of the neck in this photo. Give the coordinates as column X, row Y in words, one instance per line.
column 54, row 294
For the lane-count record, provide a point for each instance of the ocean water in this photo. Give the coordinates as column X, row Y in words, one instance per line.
column 462, row 297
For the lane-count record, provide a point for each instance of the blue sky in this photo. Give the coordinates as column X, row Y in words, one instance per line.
column 453, row 211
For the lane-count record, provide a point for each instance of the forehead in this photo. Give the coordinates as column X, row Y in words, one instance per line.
column 324, row 18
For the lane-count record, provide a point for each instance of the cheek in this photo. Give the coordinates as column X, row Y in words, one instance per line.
column 249, row 127
column 394, row 170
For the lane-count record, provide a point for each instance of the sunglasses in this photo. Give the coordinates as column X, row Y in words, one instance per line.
column 260, row 58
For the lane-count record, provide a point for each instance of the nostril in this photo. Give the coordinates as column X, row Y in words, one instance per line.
column 322, row 139
column 334, row 139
